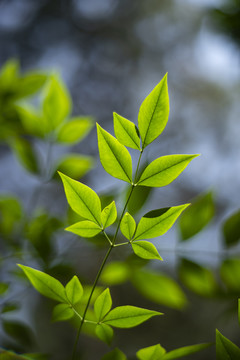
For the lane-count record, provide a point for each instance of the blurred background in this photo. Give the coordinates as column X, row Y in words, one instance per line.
column 111, row 54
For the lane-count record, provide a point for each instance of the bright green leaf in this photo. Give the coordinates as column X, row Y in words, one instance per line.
column 115, row 273
column 158, row 222
column 197, row 216
column 225, row 349
column 126, row 132
column 45, row 284
column 154, row 352
column 145, row 250
column 74, row 290
column 185, row 351
column 164, row 170
column 85, row 229
column 62, row 312
column 128, row 316
column 115, row 354
column 197, row 278
column 103, row 304
column 75, row 166
column 57, row 102
column 114, row 157
column 159, row 288
column 153, row 113
column 82, row 199
column 25, row 154
column 105, row 333
column 230, row 274
column 109, row 215
column 75, row 130
column 231, row 229
column 128, row 226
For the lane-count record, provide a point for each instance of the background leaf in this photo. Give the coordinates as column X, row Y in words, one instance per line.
column 114, row 157
column 126, row 132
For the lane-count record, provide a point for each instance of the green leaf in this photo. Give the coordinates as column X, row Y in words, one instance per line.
column 62, row 312
column 57, row 102
column 126, row 132
column 82, row 199
column 45, row 284
column 128, row 316
column 109, row 215
column 197, row 278
column 75, row 130
column 85, row 229
column 74, row 290
column 105, row 333
column 114, row 157
column 128, row 226
column 164, row 170
column 25, row 154
column 185, row 351
column 153, row 113
column 154, row 352
column 115, row 354
column 225, row 349
column 158, row 222
column 202, row 209
column 159, row 288
column 103, row 304
column 230, row 274
column 75, row 166
column 138, row 198
column 231, row 229
column 115, row 273
column 145, row 250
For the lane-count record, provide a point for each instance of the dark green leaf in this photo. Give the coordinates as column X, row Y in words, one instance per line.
column 105, row 333
column 185, row 351
column 153, row 113
column 154, row 352
column 225, row 349
column 62, row 312
column 145, row 250
column 74, row 290
column 75, row 130
column 128, row 226
column 128, row 316
column 231, row 229
column 126, row 132
column 197, row 216
column 158, row 222
column 82, row 199
column 114, row 157
column 85, row 228
column 159, row 288
column 45, row 284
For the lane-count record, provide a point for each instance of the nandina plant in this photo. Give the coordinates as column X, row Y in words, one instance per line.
column 117, row 161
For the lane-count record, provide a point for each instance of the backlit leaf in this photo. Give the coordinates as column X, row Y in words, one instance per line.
column 103, row 304
column 74, row 290
column 202, row 209
column 231, row 229
column 115, row 354
column 158, row 222
column 62, row 312
column 126, row 132
column 153, row 113
column 159, row 288
column 128, row 316
column 145, row 250
column 75, row 166
column 85, row 229
column 128, row 226
column 45, row 284
column 154, row 352
column 197, row 278
column 185, row 351
column 225, row 349
column 105, row 333
column 109, row 215
column 75, row 130
column 82, row 199
column 114, row 157
column 164, row 170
